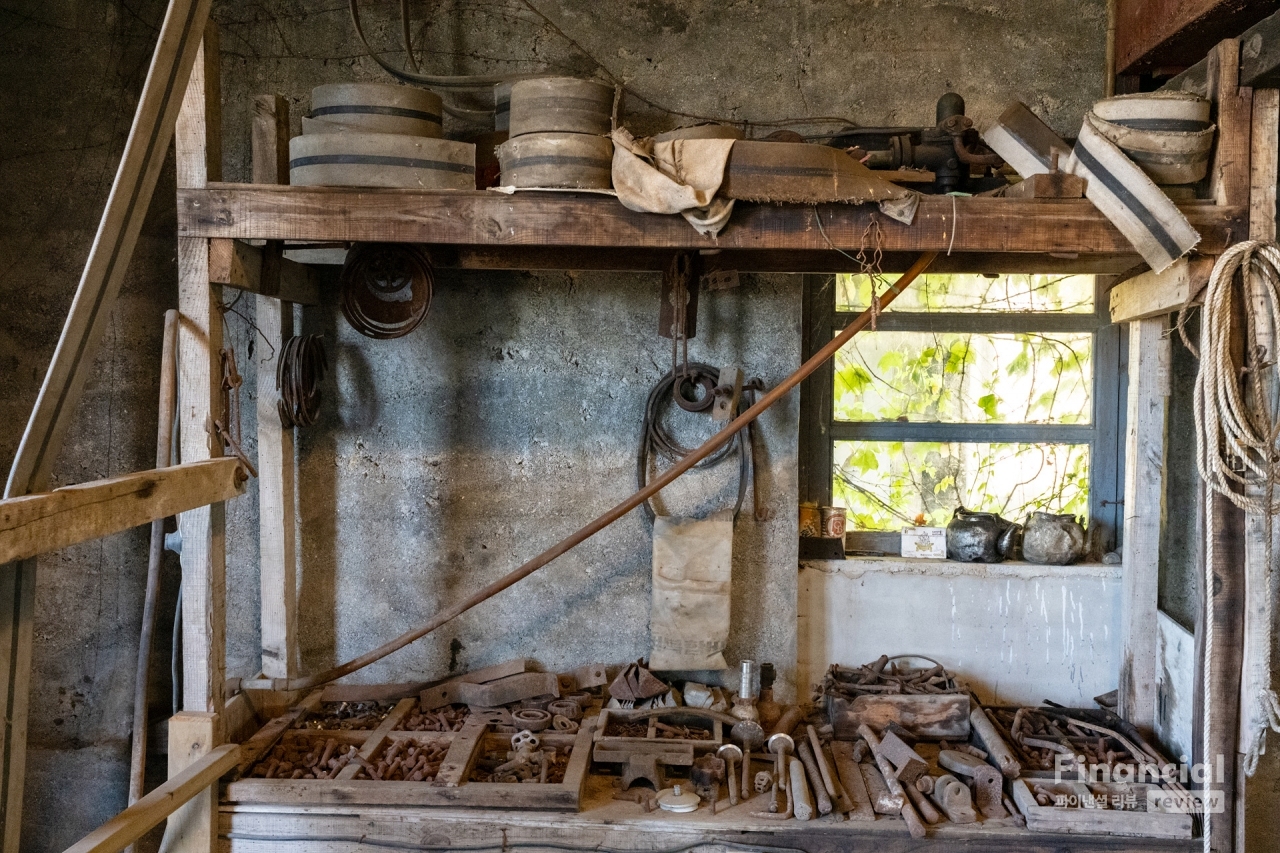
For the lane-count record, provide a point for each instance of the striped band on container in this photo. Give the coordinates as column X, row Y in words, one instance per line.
column 557, row 160
column 373, row 109
column 381, row 160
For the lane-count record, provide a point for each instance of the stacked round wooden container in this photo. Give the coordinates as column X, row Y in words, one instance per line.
column 559, row 133
column 378, row 135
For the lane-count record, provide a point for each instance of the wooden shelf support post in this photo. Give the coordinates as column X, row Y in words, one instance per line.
column 195, row 731
column 276, row 471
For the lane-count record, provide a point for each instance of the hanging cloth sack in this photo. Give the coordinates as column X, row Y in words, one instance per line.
column 692, row 569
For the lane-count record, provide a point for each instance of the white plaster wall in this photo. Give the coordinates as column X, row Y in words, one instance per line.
column 1016, row 632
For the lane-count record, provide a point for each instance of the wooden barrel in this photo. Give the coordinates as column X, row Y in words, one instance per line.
column 701, row 131
column 381, row 160
column 557, row 161
column 560, row 105
column 378, row 108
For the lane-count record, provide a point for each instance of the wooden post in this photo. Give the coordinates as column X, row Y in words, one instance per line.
column 276, row 471
column 197, row 730
column 1257, row 798
column 1149, row 356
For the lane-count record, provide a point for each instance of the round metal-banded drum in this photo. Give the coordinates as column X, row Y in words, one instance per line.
column 557, row 161
column 381, row 160
column 701, row 131
column 379, row 108
column 386, row 288
column 1168, row 134
column 560, row 105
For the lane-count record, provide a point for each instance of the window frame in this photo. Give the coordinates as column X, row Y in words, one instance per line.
column 1104, row 434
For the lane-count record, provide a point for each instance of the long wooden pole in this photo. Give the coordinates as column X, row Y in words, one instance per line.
column 659, row 483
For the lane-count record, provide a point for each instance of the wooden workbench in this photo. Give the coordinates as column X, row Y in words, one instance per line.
column 606, row 824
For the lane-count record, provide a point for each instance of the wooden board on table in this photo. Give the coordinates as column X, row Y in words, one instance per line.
column 1153, row 294
column 1149, row 824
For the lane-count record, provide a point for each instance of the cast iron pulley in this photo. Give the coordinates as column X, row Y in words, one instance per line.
column 386, row 288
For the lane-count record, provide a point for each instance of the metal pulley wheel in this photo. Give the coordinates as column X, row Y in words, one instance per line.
column 386, row 288
column 678, row 800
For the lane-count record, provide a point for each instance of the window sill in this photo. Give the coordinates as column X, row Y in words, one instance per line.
column 856, row 566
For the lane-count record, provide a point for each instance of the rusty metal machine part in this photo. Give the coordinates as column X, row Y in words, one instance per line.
column 707, row 773
column 386, row 288
column 950, row 149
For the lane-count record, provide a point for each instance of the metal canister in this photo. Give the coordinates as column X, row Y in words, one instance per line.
column 810, row 520
column 833, row 521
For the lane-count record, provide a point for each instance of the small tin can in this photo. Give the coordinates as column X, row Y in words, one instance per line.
column 810, row 520
column 833, row 521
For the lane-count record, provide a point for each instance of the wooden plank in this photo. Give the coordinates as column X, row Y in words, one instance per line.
column 262, row 740
column 440, row 695
column 371, row 792
column 1229, row 169
column 317, row 214
column 1149, row 356
column 134, row 822
column 379, row 735
column 197, row 730
column 40, row 523
column 193, row 827
column 462, row 755
column 931, row 715
column 1256, row 798
column 1260, row 54
column 55, row 407
column 233, row 263
column 1163, row 33
column 277, row 537
column 1155, row 294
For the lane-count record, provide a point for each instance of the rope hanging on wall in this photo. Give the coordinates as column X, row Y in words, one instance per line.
column 1237, row 412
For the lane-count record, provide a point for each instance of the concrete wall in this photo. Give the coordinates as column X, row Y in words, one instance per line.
column 444, row 458
column 1015, row 632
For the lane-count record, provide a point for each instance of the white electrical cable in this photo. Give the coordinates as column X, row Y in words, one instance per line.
column 1237, row 429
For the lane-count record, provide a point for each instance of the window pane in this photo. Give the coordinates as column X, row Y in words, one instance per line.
column 889, row 484
column 971, row 292
column 949, row 377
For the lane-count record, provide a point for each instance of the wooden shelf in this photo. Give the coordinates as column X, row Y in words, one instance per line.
column 489, row 230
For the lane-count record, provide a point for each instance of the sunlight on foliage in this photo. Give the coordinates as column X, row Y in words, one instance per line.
column 959, row 377
column 889, row 484
column 970, row 292
column 1026, row 378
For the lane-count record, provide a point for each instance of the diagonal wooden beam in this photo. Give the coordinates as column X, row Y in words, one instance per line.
column 44, row 522
column 135, row 183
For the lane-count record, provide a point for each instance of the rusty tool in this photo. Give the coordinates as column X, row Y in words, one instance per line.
column 820, row 795
column 706, row 775
column 886, row 769
column 731, row 753
column 926, row 809
column 800, row 801
column 656, row 485
column 987, row 780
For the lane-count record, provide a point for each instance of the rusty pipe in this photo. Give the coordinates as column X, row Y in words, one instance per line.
column 155, row 557
column 658, row 484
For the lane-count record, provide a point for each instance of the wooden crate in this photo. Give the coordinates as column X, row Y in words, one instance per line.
column 1053, row 818
column 675, row 716
column 451, row 787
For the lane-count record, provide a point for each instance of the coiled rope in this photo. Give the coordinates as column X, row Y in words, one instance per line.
column 1237, row 428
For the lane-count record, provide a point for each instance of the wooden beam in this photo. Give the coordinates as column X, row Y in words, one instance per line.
column 40, row 523
column 233, row 263
column 1233, row 108
column 135, row 821
column 1155, row 294
column 1162, row 33
column 197, row 731
column 277, row 545
column 1149, row 356
column 1001, row 225
column 1260, row 54
column 104, row 272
